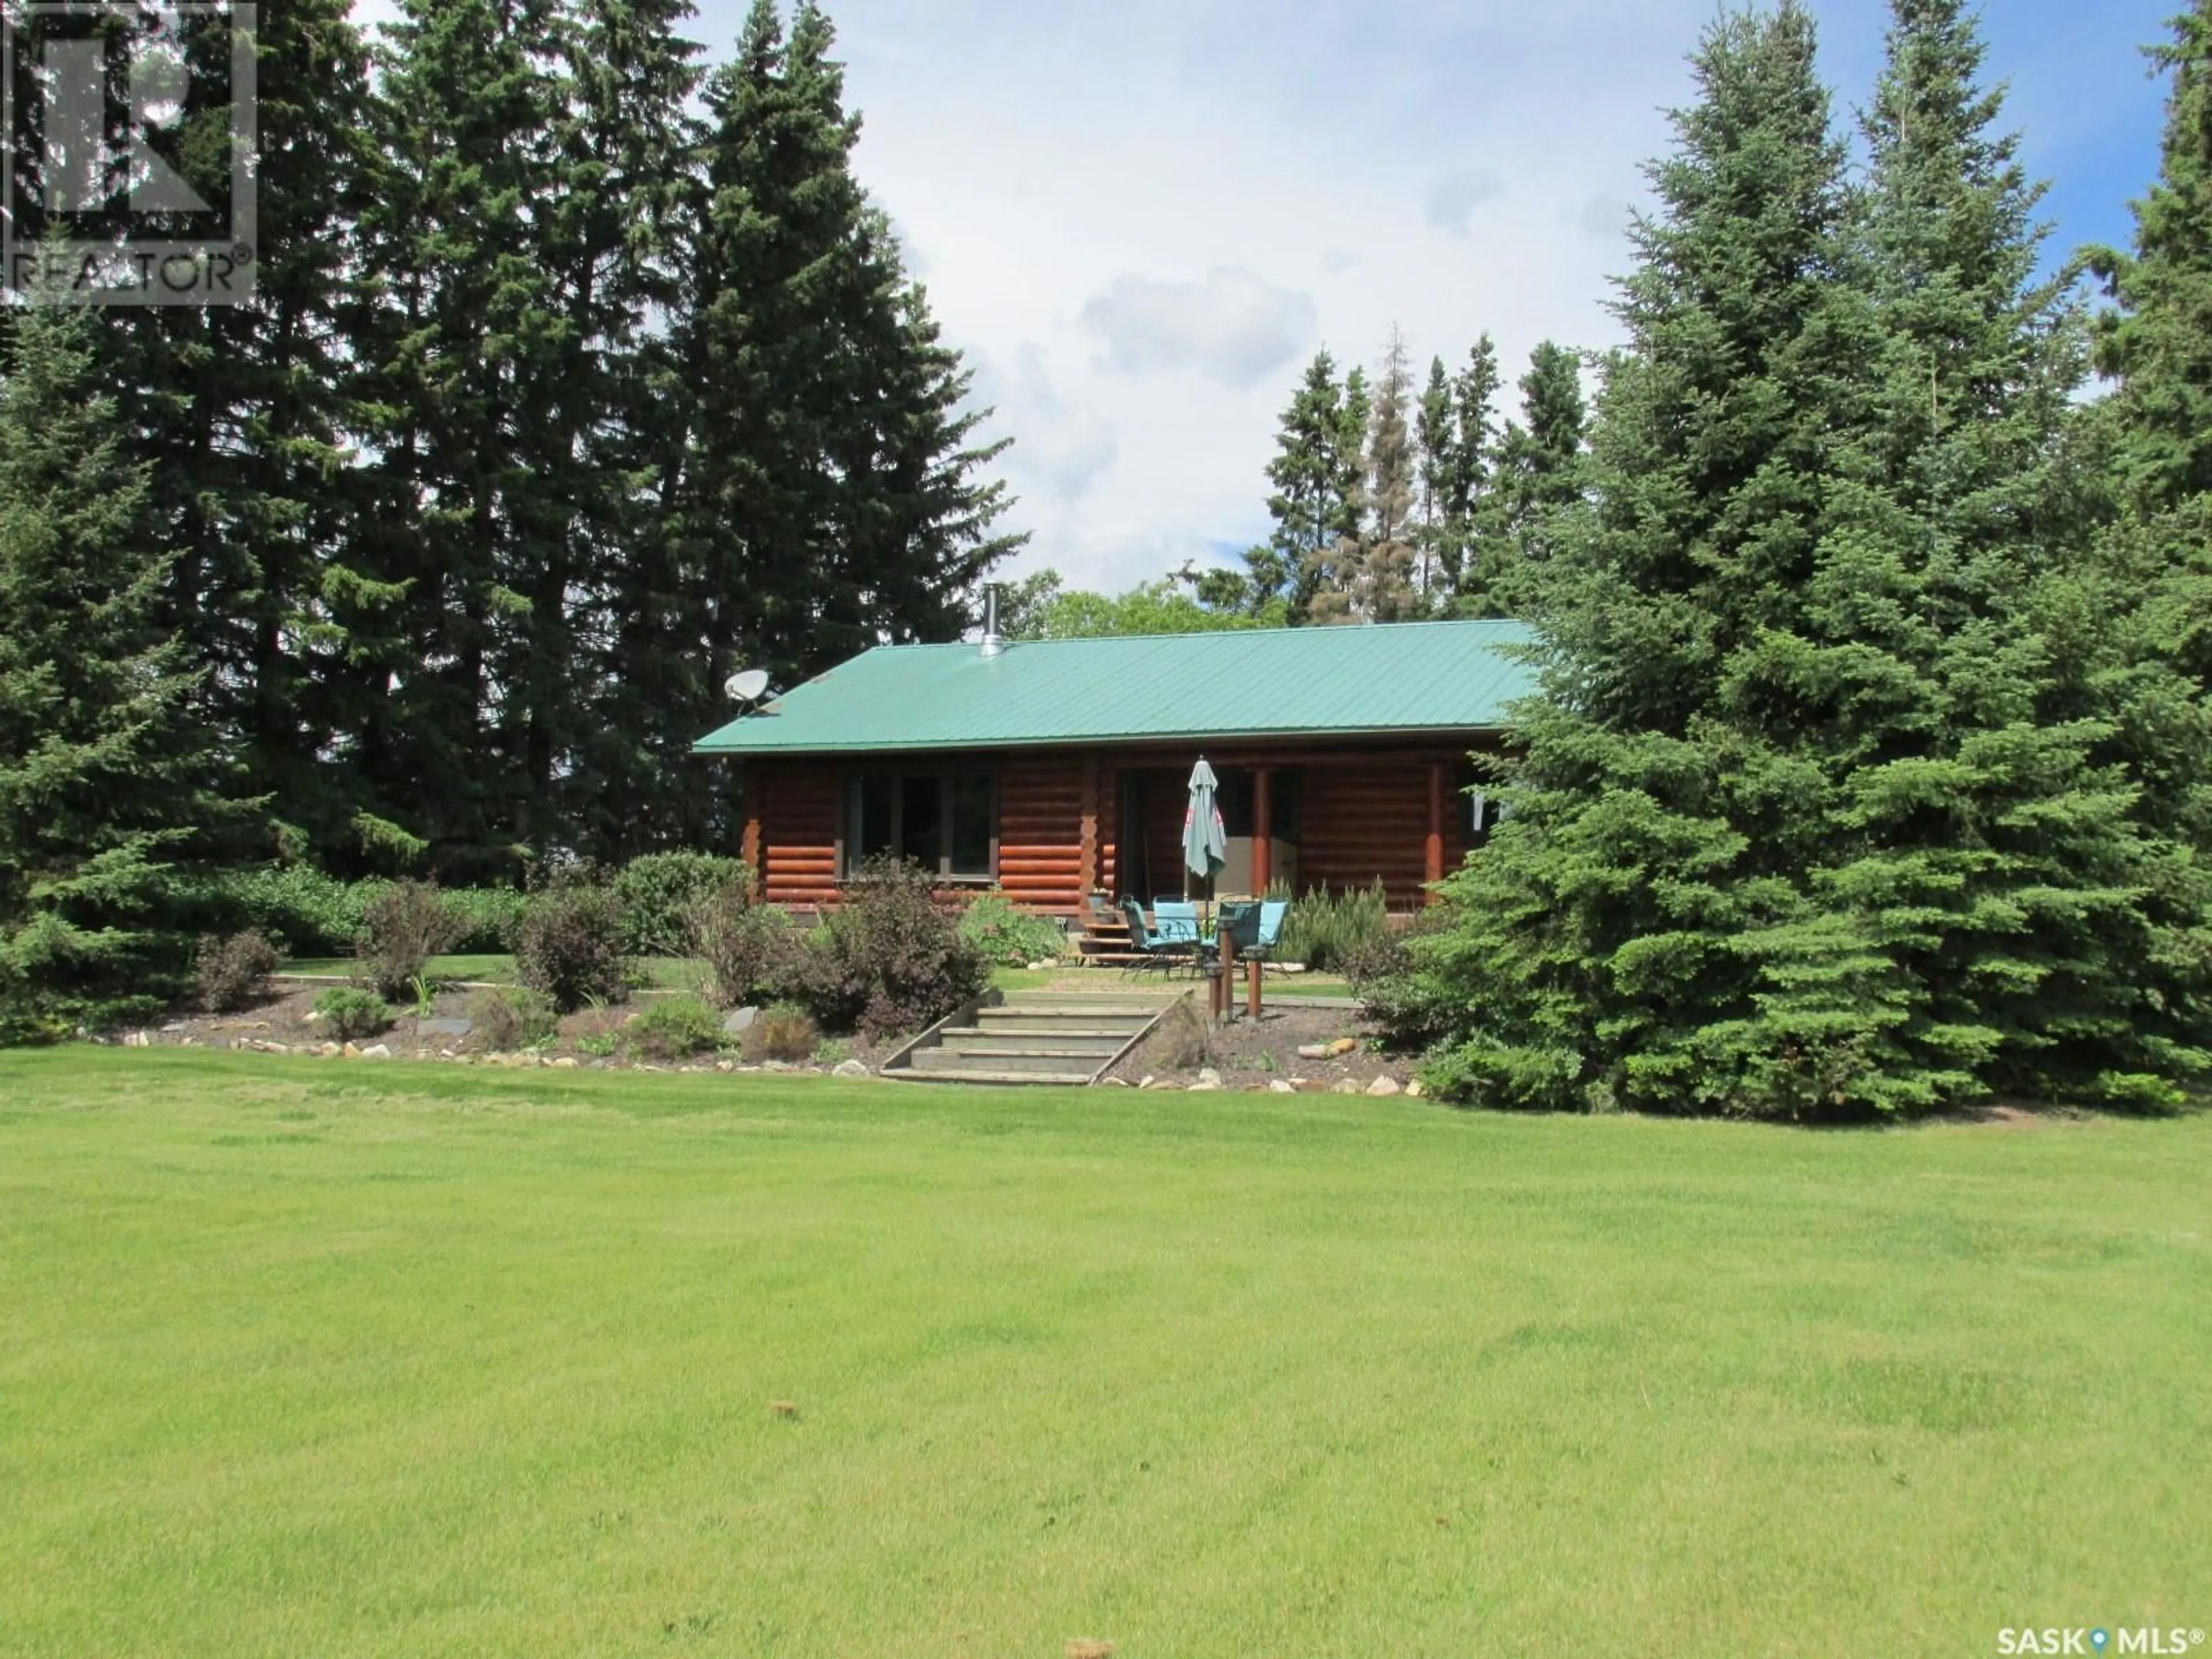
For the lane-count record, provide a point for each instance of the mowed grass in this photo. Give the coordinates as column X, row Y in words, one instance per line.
column 328, row 1359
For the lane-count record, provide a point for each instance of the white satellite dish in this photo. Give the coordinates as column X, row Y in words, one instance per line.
column 746, row 687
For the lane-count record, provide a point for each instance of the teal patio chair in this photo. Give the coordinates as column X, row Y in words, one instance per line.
column 1159, row 948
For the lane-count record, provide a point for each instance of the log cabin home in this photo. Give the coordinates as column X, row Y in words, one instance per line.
column 1056, row 770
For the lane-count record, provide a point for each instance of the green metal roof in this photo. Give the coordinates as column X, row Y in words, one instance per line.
column 1258, row 683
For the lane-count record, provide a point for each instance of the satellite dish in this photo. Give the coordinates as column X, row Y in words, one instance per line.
column 747, row 687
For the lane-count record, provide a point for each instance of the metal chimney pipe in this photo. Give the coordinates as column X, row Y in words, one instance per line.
column 992, row 645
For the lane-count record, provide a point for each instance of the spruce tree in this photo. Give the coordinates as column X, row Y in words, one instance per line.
column 1539, row 464
column 1307, row 474
column 1374, row 576
column 246, row 415
column 102, row 770
column 1820, row 819
column 832, row 495
column 1612, row 942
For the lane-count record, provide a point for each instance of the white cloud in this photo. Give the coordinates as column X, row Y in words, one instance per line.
column 1069, row 171
column 1060, row 446
column 1232, row 326
column 1451, row 201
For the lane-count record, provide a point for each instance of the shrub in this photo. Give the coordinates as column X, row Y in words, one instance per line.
column 1410, row 1009
column 401, row 929
column 675, row 1028
column 351, row 1011
column 889, row 961
column 233, row 972
column 784, row 1032
column 306, row 912
column 752, row 951
column 1009, row 938
column 506, row 1017
column 660, row 893
column 569, row 945
column 1323, row 928
column 487, row 918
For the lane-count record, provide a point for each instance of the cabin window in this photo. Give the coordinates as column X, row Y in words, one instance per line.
column 945, row 821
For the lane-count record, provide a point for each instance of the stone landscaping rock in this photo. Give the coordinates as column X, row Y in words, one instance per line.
column 137, row 1039
column 377, row 1051
column 351, row 1051
column 1313, row 1051
column 1282, row 1087
column 850, row 1068
column 1413, row 1089
column 330, row 1051
column 1344, row 1046
column 453, row 1028
column 566, row 1063
column 777, row 1065
column 725, row 1065
column 1202, row 1087
column 1385, row 1085
column 739, row 1020
column 1208, row 1076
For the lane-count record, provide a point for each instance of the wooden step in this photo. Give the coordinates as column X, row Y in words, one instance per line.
column 960, row 1058
column 1095, row 1054
column 1057, row 1030
column 1018, row 1079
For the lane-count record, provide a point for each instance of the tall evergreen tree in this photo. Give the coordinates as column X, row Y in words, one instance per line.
column 1799, row 831
column 103, row 773
column 2158, row 345
column 1307, row 505
column 1539, row 464
column 831, row 496
column 1368, row 574
column 470, row 509
column 245, row 416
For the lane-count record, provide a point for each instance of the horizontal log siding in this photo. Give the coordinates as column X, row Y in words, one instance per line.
column 1366, row 822
column 799, row 804
column 1040, row 832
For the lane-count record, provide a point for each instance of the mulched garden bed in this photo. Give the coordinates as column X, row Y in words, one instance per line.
column 1185, row 1053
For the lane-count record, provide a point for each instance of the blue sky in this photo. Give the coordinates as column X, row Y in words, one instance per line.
column 1139, row 217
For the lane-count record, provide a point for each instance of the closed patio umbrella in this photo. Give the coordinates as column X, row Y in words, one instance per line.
column 1204, row 842
column 1205, row 850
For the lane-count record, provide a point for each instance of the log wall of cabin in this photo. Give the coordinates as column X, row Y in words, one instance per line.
column 1365, row 821
column 1363, row 815
column 1041, row 803
column 799, row 804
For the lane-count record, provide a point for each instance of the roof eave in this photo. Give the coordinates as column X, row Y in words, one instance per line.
column 1108, row 741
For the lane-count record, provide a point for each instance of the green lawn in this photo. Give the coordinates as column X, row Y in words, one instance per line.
column 332, row 1358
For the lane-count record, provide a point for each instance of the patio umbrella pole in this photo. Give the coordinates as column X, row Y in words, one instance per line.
column 1205, row 850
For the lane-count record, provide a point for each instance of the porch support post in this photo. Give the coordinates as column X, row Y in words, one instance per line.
column 1435, row 863
column 1087, row 868
column 753, row 846
column 1263, row 829
column 1263, row 852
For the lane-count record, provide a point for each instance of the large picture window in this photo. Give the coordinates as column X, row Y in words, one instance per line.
column 945, row 821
